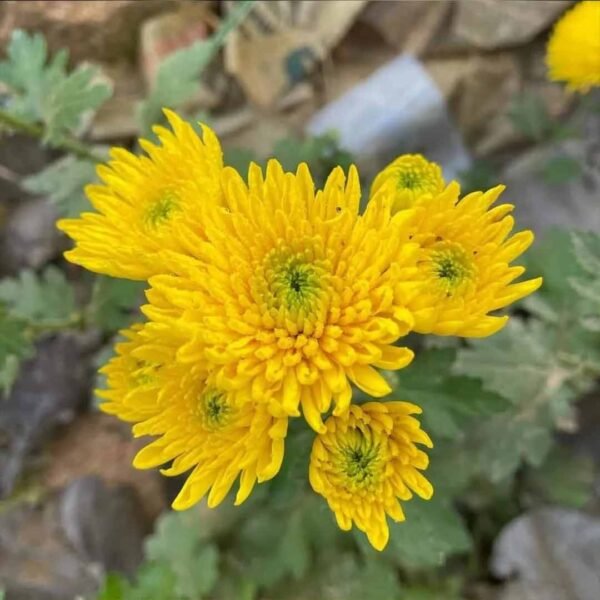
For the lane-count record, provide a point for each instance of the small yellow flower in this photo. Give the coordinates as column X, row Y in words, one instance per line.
column 465, row 261
column 367, row 461
column 292, row 296
column 143, row 198
column 409, row 178
column 199, row 426
column 573, row 53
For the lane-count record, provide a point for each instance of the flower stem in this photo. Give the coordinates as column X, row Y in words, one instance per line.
column 69, row 144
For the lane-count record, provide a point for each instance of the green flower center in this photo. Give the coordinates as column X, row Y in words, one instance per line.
column 292, row 284
column 452, row 268
column 213, row 409
column 360, row 460
column 161, row 210
column 409, row 180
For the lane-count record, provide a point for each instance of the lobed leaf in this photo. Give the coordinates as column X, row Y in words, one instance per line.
column 43, row 92
column 63, row 182
column 41, row 299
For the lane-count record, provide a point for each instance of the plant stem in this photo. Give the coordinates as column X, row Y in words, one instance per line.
column 235, row 16
column 72, row 145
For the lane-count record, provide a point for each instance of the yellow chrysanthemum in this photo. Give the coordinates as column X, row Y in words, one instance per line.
column 409, row 178
column 465, row 256
column 573, row 53
column 199, row 426
column 142, row 198
column 366, row 462
column 292, row 295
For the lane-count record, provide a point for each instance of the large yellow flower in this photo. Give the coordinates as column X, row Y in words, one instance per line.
column 142, row 198
column 366, row 461
column 198, row 425
column 408, row 179
column 292, row 295
column 465, row 256
column 573, row 53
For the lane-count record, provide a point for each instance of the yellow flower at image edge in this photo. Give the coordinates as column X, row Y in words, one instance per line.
column 198, row 426
column 408, row 179
column 292, row 296
column 573, row 53
column 366, row 462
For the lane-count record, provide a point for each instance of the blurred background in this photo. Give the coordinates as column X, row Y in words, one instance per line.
column 327, row 82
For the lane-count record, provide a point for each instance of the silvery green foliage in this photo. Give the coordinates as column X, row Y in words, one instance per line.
column 43, row 91
column 63, row 183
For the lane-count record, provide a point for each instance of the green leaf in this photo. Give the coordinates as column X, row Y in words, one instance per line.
column 177, row 81
column 271, row 554
column 41, row 299
column 561, row 169
column 15, row 346
column 433, row 531
column 586, row 247
column 69, row 99
column 239, row 159
column 480, row 176
column 564, row 478
column 529, row 115
column 63, row 182
column 322, row 153
column 541, row 365
column 154, row 581
column 114, row 302
column 294, row 549
column 346, row 577
column 449, row 402
column 447, row 590
column 178, row 543
column 113, row 588
column 43, row 91
column 498, row 446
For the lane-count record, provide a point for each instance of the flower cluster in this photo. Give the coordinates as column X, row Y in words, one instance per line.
column 269, row 300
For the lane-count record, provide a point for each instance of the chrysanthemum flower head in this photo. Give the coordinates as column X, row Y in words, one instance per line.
column 198, row 426
column 141, row 200
column 409, row 178
column 465, row 255
column 293, row 296
column 573, row 53
column 366, row 462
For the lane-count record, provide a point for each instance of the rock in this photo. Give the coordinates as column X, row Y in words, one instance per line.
column 103, row 31
column 489, row 25
column 109, row 449
column 105, row 524
column 19, row 155
column 30, row 238
column 50, row 389
column 466, row 82
column 552, row 548
column 409, row 26
column 540, row 204
column 37, row 562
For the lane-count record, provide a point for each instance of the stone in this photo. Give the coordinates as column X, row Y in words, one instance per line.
column 50, row 389
column 554, row 548
column 99, row 31
column 29, row 238
column 36, row 560
column 106, row 525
